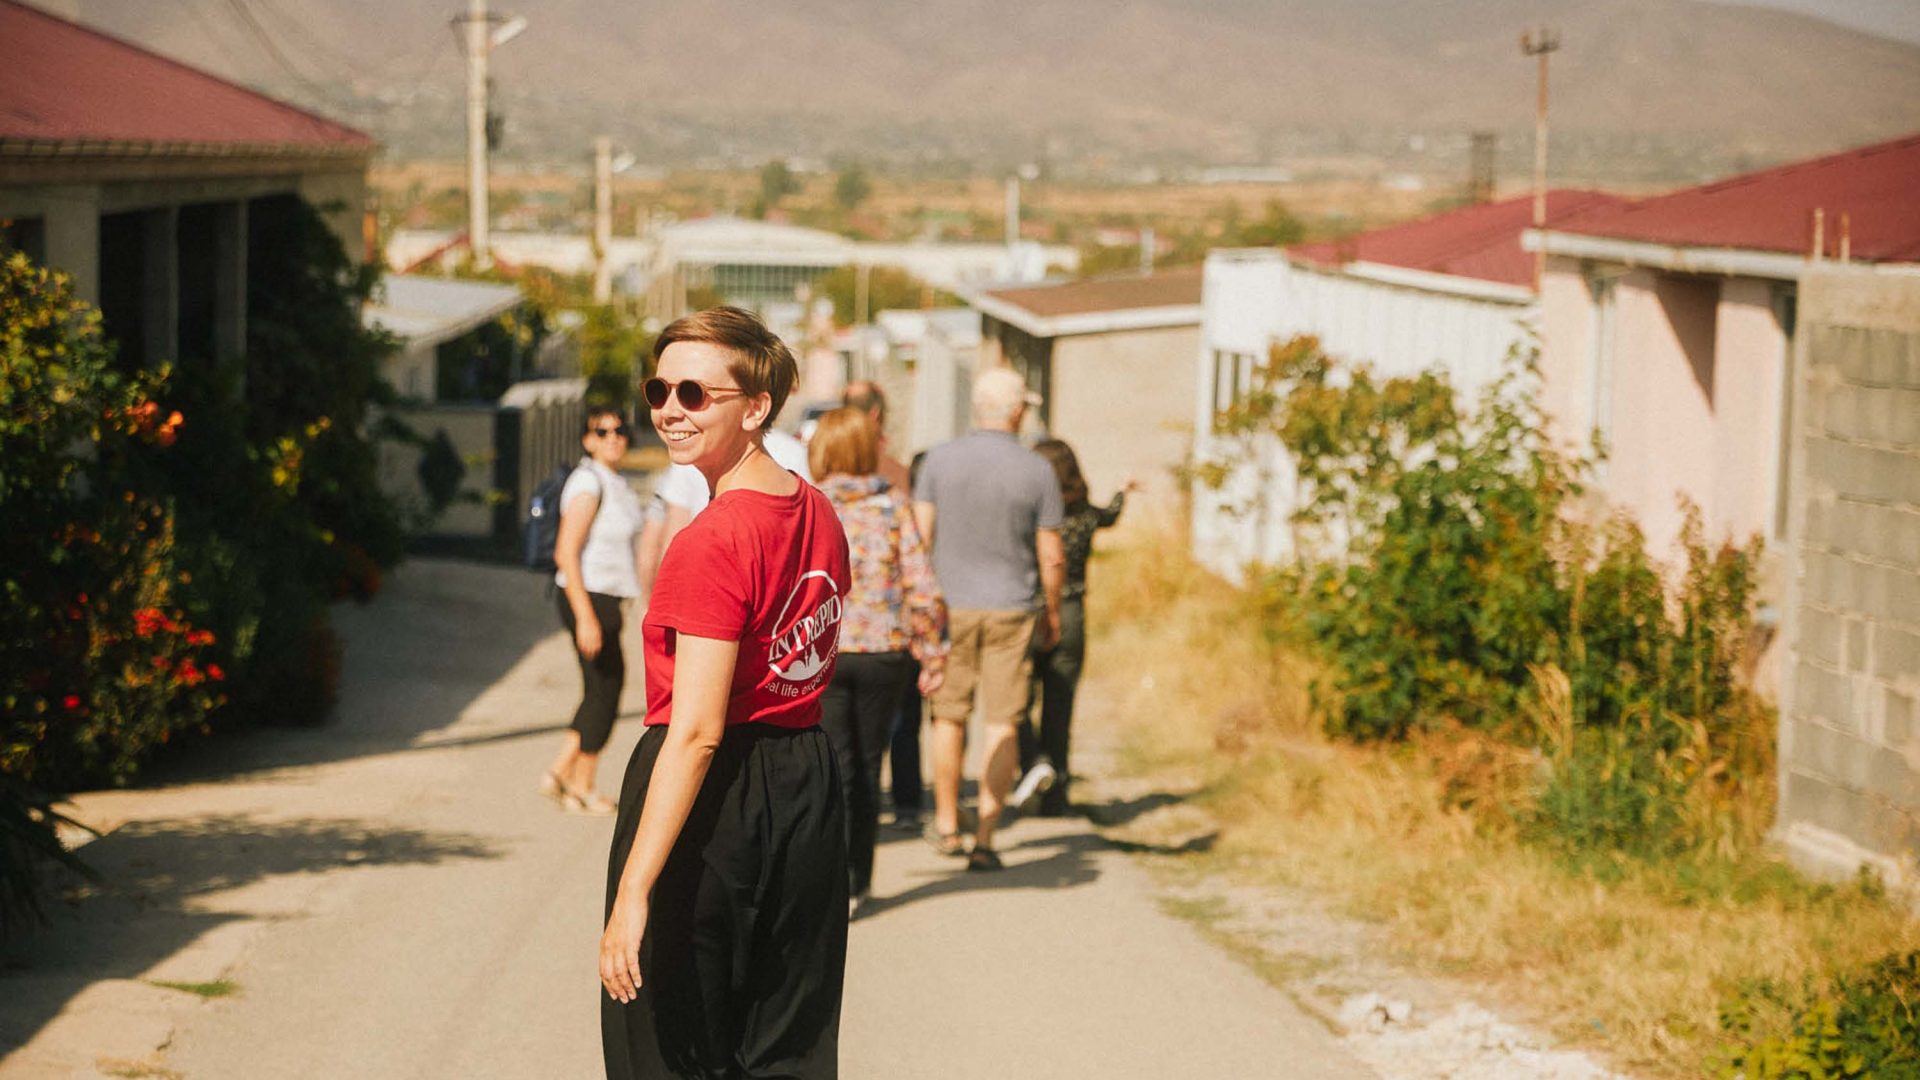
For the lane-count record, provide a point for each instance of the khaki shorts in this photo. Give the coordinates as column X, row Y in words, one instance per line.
column 990, row 651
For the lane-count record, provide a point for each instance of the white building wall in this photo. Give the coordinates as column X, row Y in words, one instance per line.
column 1253, row 299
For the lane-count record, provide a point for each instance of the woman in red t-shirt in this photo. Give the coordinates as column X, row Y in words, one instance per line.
column 726, row 933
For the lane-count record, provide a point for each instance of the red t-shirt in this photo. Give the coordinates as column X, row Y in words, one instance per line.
column 770, row 572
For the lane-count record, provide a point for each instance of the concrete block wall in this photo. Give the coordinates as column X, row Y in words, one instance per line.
column 1849, row 748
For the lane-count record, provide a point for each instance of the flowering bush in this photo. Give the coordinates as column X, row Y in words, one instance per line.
column 101, row 663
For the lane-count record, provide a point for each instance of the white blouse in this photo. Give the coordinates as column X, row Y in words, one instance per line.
column 607, row 561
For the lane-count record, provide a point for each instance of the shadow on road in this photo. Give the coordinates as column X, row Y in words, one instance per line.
column 1069, row 865
column 417, row 660
column 156, row 879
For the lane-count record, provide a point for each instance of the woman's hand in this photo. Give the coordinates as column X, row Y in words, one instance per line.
column 620, row 947
column 586, row 635
column 931, row 679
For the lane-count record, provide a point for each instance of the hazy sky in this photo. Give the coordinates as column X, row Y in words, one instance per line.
column 1888, row 18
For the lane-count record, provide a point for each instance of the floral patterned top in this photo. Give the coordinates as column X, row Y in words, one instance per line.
column 1077, row 527
column 895, row 604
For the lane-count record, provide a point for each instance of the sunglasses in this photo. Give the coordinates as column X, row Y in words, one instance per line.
column 618, row 429
column 693, row 396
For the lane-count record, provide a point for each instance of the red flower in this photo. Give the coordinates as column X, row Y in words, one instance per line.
column 147, row 620
column 200, row 637
column 82, row 598
column 160, row 662
column 214, row 673
column 72, row 701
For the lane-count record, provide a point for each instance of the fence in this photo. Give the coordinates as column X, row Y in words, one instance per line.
column 465, row 471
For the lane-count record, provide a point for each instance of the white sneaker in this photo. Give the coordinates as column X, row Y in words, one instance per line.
column 1035, row 783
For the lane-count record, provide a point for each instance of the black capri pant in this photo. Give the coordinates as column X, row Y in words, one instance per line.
column 601, row 677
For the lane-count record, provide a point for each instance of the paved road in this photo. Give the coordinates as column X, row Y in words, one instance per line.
column 389, row 898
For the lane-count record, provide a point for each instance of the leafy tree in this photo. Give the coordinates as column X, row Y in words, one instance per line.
column 887, row 288
column 1275, row 227
column 614, row 354
column 776, row 183
column 851, row 187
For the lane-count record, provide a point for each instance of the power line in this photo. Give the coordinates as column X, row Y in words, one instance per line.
column 272, row 49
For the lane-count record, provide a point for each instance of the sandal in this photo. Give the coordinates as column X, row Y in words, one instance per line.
column 553, row 787
column 949, row 844
column 591, row 803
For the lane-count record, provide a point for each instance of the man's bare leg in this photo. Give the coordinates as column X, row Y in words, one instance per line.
column 949, row 754
column 1000, row 767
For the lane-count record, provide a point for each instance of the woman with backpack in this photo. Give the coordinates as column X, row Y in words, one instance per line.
column 598, row 571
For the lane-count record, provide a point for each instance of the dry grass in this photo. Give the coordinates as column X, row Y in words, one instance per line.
column 1636, row 967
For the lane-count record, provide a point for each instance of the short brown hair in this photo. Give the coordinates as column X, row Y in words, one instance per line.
column 845, row 442
column 865, row 394
column 761, row 364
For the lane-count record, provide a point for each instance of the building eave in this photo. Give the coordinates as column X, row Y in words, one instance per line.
column 1429, row 281
column 16, row 148
column 1731, row 262
column 1090, row 322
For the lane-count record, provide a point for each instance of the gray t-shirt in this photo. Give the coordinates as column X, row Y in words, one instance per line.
column 989, row 495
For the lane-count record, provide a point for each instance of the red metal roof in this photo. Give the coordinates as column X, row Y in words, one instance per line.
column 1476, row 242
column 1876, row 187
column 64, row 83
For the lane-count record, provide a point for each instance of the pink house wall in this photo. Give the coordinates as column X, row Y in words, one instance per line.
column 1691, row 394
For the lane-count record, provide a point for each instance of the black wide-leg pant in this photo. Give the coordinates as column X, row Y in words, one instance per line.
column 745, row 951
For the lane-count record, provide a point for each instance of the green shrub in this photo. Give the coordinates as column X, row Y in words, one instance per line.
column 1445, row 577
column 103, row 664
column 1866, row 1025
column 279, row 511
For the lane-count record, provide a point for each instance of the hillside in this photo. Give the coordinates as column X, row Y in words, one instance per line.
column 1673, row 82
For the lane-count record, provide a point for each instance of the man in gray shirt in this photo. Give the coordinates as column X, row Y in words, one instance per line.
column 991, row 509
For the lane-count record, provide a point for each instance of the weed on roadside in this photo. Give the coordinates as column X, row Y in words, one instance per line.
column 1434, row 840
column 218, row 988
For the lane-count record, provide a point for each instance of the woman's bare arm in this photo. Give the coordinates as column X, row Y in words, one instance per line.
column 702, row 682
column 576, row 518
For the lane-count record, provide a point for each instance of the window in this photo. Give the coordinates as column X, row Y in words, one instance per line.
column 27, row 235
column 1232, row 378
column 1600, row 363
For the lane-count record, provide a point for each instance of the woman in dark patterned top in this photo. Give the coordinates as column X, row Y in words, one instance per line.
column 1056, row 672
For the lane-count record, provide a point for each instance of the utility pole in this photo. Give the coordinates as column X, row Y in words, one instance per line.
column 602, row 219
column 480, row 39
column 1013, row 211
column 1541, row 44
column 477, row 214
column 1482, row 162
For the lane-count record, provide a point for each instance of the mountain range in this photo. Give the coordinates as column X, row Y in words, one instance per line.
column 1638, row 86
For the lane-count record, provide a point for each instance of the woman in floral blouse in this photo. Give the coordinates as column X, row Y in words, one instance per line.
column 893, row 616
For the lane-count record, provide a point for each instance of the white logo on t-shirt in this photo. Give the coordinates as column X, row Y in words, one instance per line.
column 799, row 653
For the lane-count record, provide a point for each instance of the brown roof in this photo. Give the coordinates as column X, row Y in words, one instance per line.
column 63, row 83
column 1167, row 288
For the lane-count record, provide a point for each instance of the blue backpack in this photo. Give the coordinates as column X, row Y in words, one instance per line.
column 543, row 520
